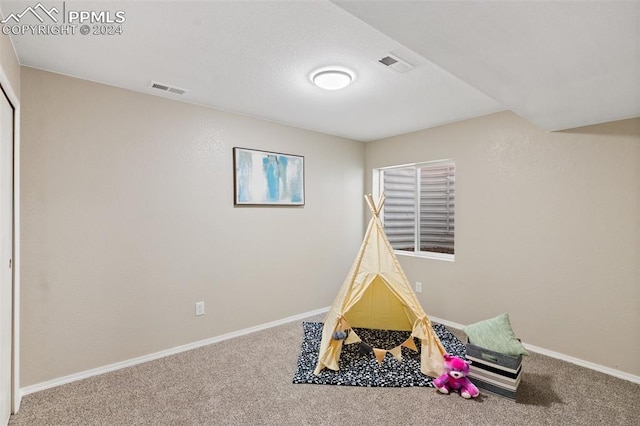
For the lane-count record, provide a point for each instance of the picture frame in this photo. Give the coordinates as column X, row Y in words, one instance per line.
column 265, row 178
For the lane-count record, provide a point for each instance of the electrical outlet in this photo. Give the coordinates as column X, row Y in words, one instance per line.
column 199, row 308
column 418, row 287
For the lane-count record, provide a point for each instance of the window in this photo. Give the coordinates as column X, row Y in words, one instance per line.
column 418, row 214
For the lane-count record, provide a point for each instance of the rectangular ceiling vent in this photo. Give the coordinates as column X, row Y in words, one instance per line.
column 167, row 88
column 396, row 63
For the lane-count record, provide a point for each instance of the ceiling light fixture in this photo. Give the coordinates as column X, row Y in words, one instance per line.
column 331, row 79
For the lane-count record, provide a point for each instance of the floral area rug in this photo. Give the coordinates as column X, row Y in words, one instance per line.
column 359, row 366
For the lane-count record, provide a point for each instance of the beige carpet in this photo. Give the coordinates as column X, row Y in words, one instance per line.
column 247, row 381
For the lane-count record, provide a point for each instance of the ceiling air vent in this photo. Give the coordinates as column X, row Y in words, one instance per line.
column 167, row 88
column 395, row 63
column 177, row 91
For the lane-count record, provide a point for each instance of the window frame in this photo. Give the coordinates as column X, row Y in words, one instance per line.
column 378, row 188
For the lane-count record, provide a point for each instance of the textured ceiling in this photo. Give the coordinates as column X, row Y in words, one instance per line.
column 558, row 64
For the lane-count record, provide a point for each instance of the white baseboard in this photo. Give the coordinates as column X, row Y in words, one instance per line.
column 446, row 322
column 145, row 358
column 593, row 366
column 577, row 361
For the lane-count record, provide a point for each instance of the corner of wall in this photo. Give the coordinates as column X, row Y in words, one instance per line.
column 9, row 63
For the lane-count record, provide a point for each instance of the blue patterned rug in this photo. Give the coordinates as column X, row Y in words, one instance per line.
column 359, row 367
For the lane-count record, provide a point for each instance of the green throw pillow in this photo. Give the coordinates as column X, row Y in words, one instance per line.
column 496, row 335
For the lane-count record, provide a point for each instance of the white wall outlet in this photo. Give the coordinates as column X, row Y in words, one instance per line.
column 418, row 287
column 199, row 308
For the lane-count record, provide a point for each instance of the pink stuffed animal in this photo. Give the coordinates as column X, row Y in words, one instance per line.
column 455, row 377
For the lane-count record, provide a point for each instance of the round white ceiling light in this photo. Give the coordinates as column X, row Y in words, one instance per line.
column 331, row 79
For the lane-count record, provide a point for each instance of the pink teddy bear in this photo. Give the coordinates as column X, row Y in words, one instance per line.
column 455, row 377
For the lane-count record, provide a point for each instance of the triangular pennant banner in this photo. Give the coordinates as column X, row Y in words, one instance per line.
column 397, row 353
column 363, row 348
column 410, row 343
column 352, row 338
column 379, row 353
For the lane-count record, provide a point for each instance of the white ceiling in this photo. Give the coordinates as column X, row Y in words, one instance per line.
column 558, row 64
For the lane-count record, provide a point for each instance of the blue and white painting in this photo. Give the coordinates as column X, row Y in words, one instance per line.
column 268, row 178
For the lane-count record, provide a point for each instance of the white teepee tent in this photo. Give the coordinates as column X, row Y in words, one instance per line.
column 376, row 294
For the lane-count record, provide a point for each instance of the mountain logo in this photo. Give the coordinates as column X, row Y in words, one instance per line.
column 38, row 11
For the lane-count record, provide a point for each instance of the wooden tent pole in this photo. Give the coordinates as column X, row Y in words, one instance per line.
column 372, row 206
column 375, row 208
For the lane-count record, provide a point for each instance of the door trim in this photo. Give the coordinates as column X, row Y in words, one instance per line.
column 9, row 91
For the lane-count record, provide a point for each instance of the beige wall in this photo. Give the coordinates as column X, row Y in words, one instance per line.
column 547, row 229
column 9, row 63
column 128, row 220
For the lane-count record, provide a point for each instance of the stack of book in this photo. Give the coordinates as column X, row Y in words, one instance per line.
column 493, row 371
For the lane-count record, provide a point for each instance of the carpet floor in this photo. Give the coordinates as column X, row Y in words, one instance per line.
column 247, row 381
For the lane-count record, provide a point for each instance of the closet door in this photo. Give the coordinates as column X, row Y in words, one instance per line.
column 6, row 254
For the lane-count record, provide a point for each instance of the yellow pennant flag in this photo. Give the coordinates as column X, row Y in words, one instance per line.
column 379, row 353
column 397, row 353
column 352, row 338
column 410, row 343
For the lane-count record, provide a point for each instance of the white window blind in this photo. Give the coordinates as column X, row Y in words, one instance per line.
column 418, row 213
